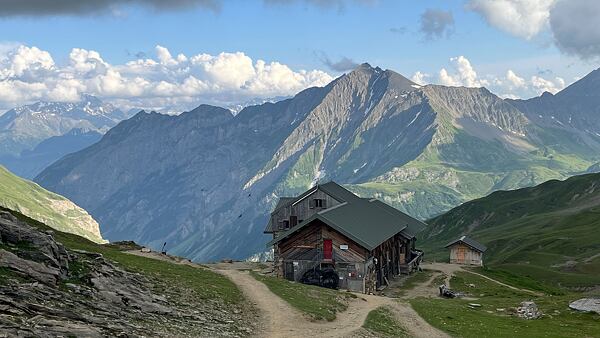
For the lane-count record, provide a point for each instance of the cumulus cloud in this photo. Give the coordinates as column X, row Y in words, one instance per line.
column 341, row 65
column 464, row 74
column 514, row 80
column 544, row 85
column 508, row 85
column 436, row 23
column 28, row 74
column 522, row 18
column 420, row 78
column 574, row 25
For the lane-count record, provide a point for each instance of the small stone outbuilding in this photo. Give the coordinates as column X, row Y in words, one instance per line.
column 466, row 251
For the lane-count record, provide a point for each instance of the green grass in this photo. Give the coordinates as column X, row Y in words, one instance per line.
column 38, row 203
column 203, row 284
column 316, row 302
column 382, row 322
column 413, row 280
column 456, row 318
column 520, row 281
column 531, row 232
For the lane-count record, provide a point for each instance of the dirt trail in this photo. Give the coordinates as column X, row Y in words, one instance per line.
column 279, row 319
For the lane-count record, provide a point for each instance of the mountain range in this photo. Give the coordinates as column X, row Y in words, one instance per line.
column 204, row 181
column 34, row 136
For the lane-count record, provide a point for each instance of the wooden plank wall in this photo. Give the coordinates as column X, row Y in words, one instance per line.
column 471, row 257
column 303, row 209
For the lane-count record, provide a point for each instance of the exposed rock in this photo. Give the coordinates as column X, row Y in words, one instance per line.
column 528, row 310
column 34, row 270
column 47, row 290
column 586, row 305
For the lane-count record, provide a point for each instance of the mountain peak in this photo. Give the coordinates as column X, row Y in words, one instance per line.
column 365, row 67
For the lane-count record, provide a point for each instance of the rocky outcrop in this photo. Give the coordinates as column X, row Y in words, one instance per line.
column 47, row 290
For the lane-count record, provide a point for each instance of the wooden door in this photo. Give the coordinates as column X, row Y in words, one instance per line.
column 461, row 253
column 327, row 249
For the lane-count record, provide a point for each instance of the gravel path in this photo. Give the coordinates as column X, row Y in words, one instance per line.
column 281, row 320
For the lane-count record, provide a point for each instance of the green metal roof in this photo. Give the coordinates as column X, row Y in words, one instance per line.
column 414, row 226
column 368, row 222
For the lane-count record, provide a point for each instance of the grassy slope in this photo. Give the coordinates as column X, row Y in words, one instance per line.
column 382, row 323
column 316, row 302
column 204, row 284
column 497, row 311
column 38, row 203
column 549, row 232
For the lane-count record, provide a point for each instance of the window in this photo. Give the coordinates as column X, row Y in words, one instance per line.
column 319, row 203
column 293, row 221
column 285, row 224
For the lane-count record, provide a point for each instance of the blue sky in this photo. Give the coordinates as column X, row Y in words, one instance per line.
column 301, row 35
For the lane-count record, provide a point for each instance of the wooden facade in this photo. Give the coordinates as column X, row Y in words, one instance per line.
column 466, row 251
column 311, row 244
column 297, row 212
column 463, row 254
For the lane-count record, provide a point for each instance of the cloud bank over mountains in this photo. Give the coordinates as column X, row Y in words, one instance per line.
column 168, row 82
column 509, row 85
column 29, row 74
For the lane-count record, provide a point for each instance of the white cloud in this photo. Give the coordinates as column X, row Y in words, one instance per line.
column 544, row 85
column 522, row 18
column 28, row 74
column 515, row 80
column 464, row 74
column 420, row 78
column 509, row 85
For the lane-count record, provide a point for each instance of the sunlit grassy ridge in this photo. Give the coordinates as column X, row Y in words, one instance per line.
column 38, row 203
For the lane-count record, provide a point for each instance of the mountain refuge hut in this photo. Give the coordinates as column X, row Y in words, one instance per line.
column 330, row 237
column 466, row 251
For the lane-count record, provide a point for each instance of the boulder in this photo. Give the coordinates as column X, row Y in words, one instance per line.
column 586, row 305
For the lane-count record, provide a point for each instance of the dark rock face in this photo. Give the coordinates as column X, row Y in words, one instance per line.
column 47, row 290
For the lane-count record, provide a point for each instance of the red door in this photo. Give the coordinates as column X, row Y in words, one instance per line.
column 327, row 249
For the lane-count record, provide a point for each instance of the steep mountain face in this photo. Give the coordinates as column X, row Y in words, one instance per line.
column 206, row 180
column 577, row 107
column 56, row 211
column 31, row 162
column 550, row 232
column 24, row 127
